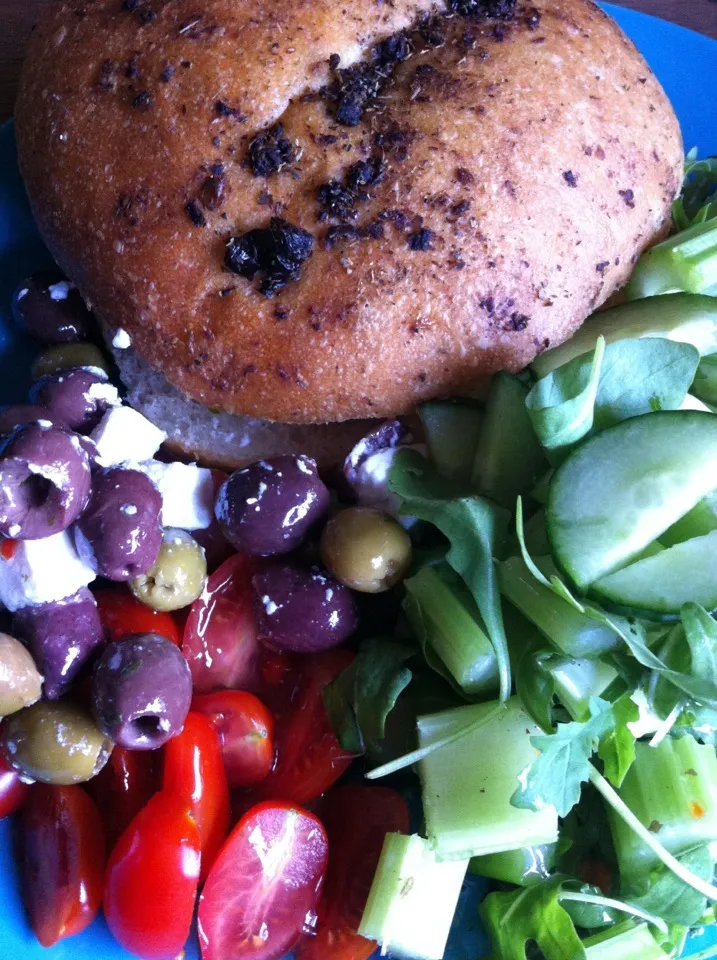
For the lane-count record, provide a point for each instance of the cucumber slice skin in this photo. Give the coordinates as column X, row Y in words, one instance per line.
column 621, row 489
column 685, row 317
column 700, row 521
column 663, row 583
column 452, row 429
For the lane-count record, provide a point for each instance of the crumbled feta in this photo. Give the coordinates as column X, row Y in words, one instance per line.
column 104, row 393
column 187, row 493
column 60, row 290
column 371, row 483
column 40, row 571
column 124, row 435
column 121, row 340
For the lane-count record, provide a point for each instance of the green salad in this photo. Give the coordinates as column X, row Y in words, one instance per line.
column 553, row 674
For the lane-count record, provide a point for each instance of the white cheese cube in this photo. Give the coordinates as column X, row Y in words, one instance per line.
column 124, row 435
column 40, row 571
column 187, row 493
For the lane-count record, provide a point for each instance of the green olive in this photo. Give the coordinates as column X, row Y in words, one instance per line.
column 54, row 741
column 20, row 680
column 65, row 356
column 177, row 576
column 366, row 549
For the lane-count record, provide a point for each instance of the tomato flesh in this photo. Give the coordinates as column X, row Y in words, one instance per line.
column 12, row 790
column 246, row 733
column 121, row 615
column 194, row 773
column 220, row 637
column 151, row 880
column 264, row 886
column 123, row 786
column 61, row 859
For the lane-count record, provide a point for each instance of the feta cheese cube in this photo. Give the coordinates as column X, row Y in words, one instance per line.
column 187, row 493
column 124, row 435
column 40, row 571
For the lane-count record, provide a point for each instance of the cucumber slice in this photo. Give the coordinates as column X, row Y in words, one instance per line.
column 705, row 385
column 452, row 430
column 700, row 521
column 686, row 317
column 663, row 583
column 624, row 487
column 509, row 458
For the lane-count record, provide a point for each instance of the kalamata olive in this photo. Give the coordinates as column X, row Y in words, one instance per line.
column 270, row 506
column 13, row 417
column 62, row 636
column 67, row 356
column 302, row 609
column 366, row 549
column 177, row 576
column 51, row 309
column 44, row 481
column 77, row 398
column 54, row 742
column 387, row 436
column 20, row 682
column 141, row 691
column 120, row 532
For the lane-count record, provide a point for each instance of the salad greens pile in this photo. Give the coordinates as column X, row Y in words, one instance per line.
column 552, row 671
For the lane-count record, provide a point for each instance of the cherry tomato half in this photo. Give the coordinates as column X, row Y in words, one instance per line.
column 121, row 615
column 122, row 787
column 194, row 772
column 357, row 819
column 61, row 860
column 309, row 758
column 151, row 880
column 264, row 886
column 246, row 733
column 12, row 790
column 220, row 638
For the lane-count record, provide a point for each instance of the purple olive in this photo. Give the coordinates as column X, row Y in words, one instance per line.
column 51, row 309
column 388, row 435
column 77, row 398
column 120, row 530
column 44, row 481
column 302, row 609
column 13, row 417
column 270, row 506
column 141, row 691
column 61, row 636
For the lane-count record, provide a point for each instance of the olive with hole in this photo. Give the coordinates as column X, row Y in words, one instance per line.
column 365, row 549
column 67, row 356
column 20, row 680
column 177, row 576
column 54, row 742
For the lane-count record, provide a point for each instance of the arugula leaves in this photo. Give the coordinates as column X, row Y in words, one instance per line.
column 672, row 899
column 697, row 201
column 616, row 748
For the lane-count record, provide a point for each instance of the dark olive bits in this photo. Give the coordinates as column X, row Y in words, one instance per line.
column 365, row 549
column 176, row 577
column 269, row 507
column 141, row 691
column 51, row 309
column 77, row 398
column 55, row 742
column 20, row 680
column 17, row 416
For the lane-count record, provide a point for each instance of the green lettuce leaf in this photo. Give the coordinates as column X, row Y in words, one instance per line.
column 671, row 898
column 698, row 200
column 617, row 747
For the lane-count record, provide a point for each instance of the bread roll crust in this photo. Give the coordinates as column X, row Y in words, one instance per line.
column 526, row 164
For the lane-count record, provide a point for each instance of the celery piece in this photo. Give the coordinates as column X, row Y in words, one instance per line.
column 521, row 867
column 685, row 262
column 576, row 681
column 445, row 616
column 701, row 520
column 451, row 429
column 571, row 632
column 672, row 790
column 627, row 941
column 467, row 785
column 412, row 900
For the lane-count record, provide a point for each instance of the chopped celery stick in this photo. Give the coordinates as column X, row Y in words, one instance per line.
column 521, row 867
column 413, row 898
column 467, row 785
column 701, row 520
column 445, row 616
column 572, row 632
column 576, row 681
column 452, row 429
column 628, row 941
column 672, row 790
column 685, row 262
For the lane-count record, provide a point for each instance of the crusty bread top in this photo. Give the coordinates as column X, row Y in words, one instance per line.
column 524, row 163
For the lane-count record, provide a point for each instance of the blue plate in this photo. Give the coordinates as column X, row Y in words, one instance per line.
column 683, row 61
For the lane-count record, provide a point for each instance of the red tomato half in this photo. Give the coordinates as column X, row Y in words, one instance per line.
column 151, row 880
column 357, row 819
column 12, row 790
column 309, row 758
column 264, row 886
column 122, row 787
column 246, row 733
column 220, row 639
column 121, row 615
column 194, row 772
column 61, row 860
